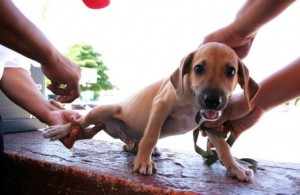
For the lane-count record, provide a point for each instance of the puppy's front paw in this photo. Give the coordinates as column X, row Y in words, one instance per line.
column 144, row 166
column 56, row 132
column 66, row 135
column 242, row 173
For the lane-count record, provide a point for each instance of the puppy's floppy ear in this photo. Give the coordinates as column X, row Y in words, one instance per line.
column 177, row 77
column 250, row 87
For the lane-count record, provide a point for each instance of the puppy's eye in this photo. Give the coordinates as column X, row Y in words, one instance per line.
column 199, row 69
column 230, row 71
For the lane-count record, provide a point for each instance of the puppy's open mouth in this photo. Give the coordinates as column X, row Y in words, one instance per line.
column 210, row 115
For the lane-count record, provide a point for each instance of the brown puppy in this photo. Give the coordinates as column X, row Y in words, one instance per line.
column 203, row 83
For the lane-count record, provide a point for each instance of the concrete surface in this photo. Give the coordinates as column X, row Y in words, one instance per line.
column 37, row 166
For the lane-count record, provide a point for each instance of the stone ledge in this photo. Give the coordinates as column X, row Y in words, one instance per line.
column 34, row 165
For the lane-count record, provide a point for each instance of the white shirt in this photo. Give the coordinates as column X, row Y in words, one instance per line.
column 12, row 59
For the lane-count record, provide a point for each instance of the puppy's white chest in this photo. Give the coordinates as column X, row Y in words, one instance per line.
column 179, row 122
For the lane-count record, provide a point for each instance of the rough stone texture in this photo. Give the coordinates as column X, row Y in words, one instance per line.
column 34, row 165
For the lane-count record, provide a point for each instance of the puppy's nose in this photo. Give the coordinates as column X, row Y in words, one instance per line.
column 212, row 101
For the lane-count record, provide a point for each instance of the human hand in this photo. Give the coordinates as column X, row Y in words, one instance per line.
column 229, row 36
column 64, row 76
column 237, row 115
column 61, row 117
column 74, row 132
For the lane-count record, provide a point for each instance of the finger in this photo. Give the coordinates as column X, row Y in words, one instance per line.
column 214, row 124
column 70, row 94
column 54, row 84
column 74, row 134
column 66, row 98
column 210, row 145
column 56, row 105
column 226, row 130
column 73, row 120
column 203, row 133
column 243, row 51
column 56, row 89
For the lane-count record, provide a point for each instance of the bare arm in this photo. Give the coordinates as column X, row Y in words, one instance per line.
column 280, row 87
column 18, row 85
column 255, row 13
column 21, row 35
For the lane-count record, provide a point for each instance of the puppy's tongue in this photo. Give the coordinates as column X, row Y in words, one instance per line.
column 210, row 114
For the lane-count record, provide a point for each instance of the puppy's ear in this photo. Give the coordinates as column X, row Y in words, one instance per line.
column 249, row 86
column 177, row 77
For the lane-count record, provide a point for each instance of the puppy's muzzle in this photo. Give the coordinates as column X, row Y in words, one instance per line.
column 212, row 102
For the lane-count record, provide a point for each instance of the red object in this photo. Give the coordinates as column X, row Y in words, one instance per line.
column 96, row 4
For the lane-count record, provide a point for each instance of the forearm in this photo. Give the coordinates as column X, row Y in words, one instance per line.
column 256, row 13
column 17, row 84
column 280, row 87
column 21, row 35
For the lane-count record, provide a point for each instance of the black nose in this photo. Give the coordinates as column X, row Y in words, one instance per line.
column 212, row 100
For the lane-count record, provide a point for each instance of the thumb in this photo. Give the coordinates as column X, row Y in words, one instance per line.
column 73, row 120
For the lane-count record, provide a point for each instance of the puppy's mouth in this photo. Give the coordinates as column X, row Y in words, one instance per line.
column 210, row 115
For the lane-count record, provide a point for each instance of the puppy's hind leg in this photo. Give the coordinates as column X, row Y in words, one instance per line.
column 79, row 129
column 96, row 117
column 78, row 134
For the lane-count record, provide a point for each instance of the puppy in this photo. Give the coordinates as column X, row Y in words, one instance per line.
column 203, row 84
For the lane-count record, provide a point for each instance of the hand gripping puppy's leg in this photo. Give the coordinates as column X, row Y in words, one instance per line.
column 78, row 129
